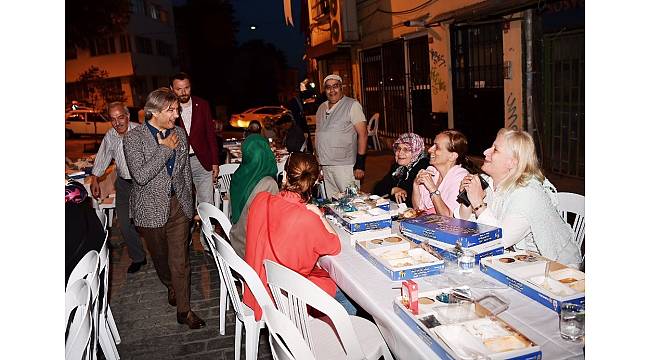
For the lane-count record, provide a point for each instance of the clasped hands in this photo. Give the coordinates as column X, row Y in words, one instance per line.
column 472, row 185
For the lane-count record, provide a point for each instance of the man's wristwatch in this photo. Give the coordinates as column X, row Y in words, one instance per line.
column 437, row 192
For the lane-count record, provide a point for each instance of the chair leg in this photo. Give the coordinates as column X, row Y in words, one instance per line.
column 223, row 301
column 238, row 326
column 252, row 339
column 111, row 323
column 107, row 342
column 226, row 207
column 386, row 352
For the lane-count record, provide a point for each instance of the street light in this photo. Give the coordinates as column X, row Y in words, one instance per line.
column 253, row 27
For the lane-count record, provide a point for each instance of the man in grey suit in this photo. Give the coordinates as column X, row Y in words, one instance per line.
column 161, row 201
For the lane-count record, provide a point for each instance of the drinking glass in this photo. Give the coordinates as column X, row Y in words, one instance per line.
column 572, row 322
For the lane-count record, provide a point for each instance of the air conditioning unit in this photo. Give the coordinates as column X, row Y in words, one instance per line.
column 343, row 21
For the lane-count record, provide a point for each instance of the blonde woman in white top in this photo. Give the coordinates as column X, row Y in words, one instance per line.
column 519, row 199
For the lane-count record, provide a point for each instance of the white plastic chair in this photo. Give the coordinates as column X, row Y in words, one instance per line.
column 207, row 211
column 87, row 269
column 373, row 125
column 228, row 262
column 222, row 188
column 285, row 340
column 357, row 338
column 78, row 344
column 107, row 329
column 573, row 203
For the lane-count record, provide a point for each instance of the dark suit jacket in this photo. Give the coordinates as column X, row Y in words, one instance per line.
column 146, row 159
column 202, row 133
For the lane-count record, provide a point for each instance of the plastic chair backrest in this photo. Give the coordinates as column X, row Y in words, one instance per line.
column 373, row 123
column 230, row 261
column 285, row 340
column 78, row 339
column 573, row 203
column 103, row 272
column 299, row 293
column 87, row 267
column 225, row 174
column 207, row 211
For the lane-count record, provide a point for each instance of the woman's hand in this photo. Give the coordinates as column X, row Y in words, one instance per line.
column 399, row 193
column 475, row 193
column 425, row 177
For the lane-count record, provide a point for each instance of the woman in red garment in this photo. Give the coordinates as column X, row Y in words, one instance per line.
column 287, row 230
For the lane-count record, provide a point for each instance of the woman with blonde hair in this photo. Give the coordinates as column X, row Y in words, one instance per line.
column 519, row 199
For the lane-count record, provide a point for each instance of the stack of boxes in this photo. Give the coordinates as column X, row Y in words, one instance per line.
column 451, row 237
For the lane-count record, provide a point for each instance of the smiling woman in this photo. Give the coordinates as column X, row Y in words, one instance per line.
column 410, row 158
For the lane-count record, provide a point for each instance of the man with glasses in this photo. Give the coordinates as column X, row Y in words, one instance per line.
column 111, row 149
column 341, row 138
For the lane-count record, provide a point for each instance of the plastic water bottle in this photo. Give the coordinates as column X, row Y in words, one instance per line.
column 466, row 262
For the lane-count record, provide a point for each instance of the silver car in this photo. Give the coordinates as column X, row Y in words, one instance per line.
column 85, row 122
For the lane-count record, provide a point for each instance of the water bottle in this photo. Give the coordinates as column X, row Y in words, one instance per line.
column 466, row 262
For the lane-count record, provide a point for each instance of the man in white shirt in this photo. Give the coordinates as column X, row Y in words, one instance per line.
column 341, row 137
column 111, row 149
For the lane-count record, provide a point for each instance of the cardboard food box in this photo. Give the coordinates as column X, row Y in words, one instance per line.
column 524, row 272
column 450, row 252
column 399, row 258
column 369, row 214
column 464, row 330
column 450, row 230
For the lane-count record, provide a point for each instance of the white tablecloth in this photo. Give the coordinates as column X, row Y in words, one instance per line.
column 374, row 291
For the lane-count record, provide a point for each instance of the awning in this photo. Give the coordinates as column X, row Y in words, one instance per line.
column 324, row 48
column 486, row 9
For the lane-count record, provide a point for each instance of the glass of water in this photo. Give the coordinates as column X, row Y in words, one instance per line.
column 572, row 322
column 466, row 261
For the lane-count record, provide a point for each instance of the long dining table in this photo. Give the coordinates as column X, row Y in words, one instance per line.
column 375, row 292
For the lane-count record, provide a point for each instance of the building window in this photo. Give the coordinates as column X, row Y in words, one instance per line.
column 102, row 46
column 125, row 44
column 143, row 45
column 137, row 6
column 153, row 11
column 164, row 16
column 70, row 52
column 163, row 48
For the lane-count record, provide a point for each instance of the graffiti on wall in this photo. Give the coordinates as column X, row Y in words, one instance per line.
column 437, row 63
column 511, row 112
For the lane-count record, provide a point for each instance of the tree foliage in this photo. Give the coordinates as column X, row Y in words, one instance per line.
column 89, row 19
column 99, row 90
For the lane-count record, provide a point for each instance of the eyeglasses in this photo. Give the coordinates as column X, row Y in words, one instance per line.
column 330, row 87
column 404, row 149
column 118, row 118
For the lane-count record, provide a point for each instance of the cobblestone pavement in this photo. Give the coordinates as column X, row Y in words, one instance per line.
column 147, row 323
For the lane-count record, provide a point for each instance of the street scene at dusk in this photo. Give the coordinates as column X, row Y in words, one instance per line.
column 328, row 179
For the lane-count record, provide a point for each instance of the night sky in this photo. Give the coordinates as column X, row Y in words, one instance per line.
column 268, row 17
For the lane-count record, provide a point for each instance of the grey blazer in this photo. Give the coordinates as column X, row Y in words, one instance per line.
column 146, row 159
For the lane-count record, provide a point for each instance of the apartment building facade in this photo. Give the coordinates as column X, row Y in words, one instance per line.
column 137, row 61
column 474, row 65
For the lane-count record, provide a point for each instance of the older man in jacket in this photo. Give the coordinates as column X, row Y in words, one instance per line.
column 161, row 201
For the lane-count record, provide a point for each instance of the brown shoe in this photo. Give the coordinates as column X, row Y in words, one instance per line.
column 191, row 319
column 171, row 296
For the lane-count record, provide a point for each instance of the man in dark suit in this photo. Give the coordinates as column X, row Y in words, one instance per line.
column 161, row 200
column 196, row 119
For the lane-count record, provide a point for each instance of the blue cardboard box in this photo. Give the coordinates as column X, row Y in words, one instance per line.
column 448, row 251
column 527, row 278
column 398, row 269
column 380, row 220
column 435, row 343
column 451, row 230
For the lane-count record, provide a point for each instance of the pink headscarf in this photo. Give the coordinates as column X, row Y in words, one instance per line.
column 416, row 144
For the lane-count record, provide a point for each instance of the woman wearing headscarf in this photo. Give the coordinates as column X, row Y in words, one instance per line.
column 410, row 158
column 436, row 187
column 257, row 173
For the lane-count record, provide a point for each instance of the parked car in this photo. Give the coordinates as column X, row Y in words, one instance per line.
column 266, row 115
column 85, row 122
